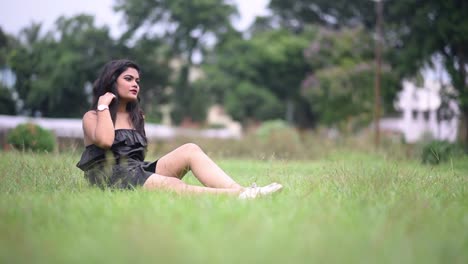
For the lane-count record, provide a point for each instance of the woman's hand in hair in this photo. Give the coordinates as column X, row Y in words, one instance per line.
column 106, row 98
column 98, row 124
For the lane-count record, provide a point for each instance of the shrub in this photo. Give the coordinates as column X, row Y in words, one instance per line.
column 248, row 101
column 437, row 151
column 278, row 137
column 31, row 137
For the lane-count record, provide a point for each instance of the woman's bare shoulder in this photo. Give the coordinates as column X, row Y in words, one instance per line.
column 89, row 119
column 91, row 114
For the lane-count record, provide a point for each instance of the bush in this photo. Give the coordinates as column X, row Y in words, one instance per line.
column 31, row 137
column 437, row 151
column 248, row 101
column 278, row 137
column 270, row 127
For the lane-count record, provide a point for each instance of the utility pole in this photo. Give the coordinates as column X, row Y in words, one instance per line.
column 378, row 69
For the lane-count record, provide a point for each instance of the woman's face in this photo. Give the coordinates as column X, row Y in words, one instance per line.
column 128, row 85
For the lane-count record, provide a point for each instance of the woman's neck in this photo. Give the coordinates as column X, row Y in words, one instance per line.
column 122, row 117
column 122, row 107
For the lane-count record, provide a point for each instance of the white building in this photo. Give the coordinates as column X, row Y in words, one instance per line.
column 218, row 116
column 419, row 107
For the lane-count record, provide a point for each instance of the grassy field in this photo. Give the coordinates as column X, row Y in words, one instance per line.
column 347, row 207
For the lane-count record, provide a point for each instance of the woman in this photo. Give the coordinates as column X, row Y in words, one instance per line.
column 115, row 141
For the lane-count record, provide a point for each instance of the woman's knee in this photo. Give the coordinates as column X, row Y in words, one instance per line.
column 191, row 148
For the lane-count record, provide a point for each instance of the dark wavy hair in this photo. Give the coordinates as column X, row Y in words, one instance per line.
column 107, row 82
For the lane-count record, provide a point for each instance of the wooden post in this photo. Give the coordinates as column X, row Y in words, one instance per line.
column 378, row 62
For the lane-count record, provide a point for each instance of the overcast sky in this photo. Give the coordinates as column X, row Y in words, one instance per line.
column 17, row 14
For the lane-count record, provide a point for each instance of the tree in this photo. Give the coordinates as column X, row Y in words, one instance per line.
column 23, row 62
column 269, row 67
column 434, row 27
column 4, row 45
column 339, row 88
column 247, row 102
column 7, row 104
column 54, row 69
column 297, row 14
column 187, row 27
column 152, row 55
column 282, row 66
column 414, row 32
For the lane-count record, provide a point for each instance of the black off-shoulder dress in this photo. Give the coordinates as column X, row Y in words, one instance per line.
column 122, row 166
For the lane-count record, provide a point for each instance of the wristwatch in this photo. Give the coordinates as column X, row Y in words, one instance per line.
column 102, row 107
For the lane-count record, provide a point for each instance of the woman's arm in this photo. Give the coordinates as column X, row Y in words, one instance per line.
column 97, row 125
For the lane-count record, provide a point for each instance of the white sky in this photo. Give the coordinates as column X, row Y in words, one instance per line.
column 18, row 14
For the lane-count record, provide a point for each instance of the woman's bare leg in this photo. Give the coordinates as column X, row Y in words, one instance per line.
column 157, row 181
column 191, row 157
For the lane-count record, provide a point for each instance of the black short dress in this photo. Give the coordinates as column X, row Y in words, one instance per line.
column 122, row 166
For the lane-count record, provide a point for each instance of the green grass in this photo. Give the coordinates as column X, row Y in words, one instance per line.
column 345, row 208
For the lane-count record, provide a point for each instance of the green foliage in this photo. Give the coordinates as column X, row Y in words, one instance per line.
column 152, row 55
column 192, row 22
column 436, row 151
column 7, row 104
column 341, row 87
column 247, row 101
column 281, row 139
column 280, row 61
column 31, row 137
column 4, row 45
column 269, row 67
column 55, row 69
column 269, row 128
column 52, row 69
column 297, row 14
column 414, row 33
column 195, row 107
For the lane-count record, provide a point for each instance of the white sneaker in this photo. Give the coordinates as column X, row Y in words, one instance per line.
column 254, row 191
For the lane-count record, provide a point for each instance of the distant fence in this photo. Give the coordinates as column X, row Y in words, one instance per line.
column 68, row 128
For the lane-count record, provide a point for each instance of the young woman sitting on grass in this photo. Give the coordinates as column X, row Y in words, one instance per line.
column 115, row 140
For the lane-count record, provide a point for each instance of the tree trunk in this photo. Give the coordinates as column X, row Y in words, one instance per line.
column 181, row 97
column 290, row 111
column 465, row 119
